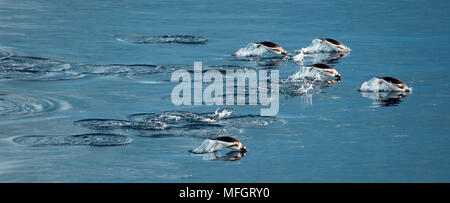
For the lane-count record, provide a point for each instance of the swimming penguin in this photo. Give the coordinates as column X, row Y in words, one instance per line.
column 336, row 45
column 231, row 143
column 396, row 83
column 326, row 70
column 272, row 47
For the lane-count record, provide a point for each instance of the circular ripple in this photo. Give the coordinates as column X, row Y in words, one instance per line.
column 122, row 69
column 113, row 124
column 249, row 121
column 222, row 118
column 16, row 105
column 83, row 139
column 199, row 130
column 169, row 117
column 34, row 68
column 180, row 123
column 183, row 39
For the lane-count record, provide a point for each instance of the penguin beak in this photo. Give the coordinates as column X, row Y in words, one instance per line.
column 244, row 149
column 339, row 77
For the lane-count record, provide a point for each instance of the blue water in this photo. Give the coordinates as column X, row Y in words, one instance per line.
column 333, row 134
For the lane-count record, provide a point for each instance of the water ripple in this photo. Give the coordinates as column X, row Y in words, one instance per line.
column 112, row 124
column 145, row 39
column 179, row 123
column 34, row 68
column 17, row 105
column 95, row 139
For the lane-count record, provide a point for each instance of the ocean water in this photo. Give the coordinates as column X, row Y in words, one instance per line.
column 85, row 92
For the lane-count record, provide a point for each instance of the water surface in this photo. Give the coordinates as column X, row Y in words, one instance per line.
column 81, row 60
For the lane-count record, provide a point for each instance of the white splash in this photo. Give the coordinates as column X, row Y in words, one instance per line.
column 208, row 146
column 217, row 115
column 306, row 73
column 379, row 85
column 299, row 57
column 222, row 113
column 121, row 40
column 250, row 50
column 305, row 88
column 320, row 46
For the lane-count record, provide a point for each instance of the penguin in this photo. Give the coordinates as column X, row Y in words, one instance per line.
column 336, row 45
column 399, row 85
column 230, row 143
column 326, row 70
column 272, row 47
